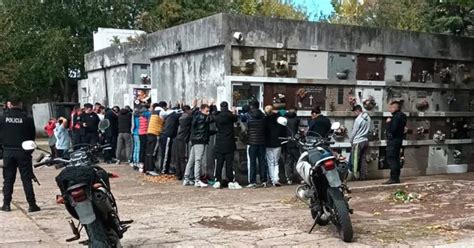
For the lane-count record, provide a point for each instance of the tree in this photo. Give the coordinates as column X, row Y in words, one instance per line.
column 449, row 16
column 440, row 16
column 168, row 13
column 44, row 41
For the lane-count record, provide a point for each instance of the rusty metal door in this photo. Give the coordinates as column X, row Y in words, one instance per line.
column 370, row 67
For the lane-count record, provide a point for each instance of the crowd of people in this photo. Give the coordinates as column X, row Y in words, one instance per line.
column 164, row 139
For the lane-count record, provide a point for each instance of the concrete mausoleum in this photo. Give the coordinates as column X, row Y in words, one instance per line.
column 238, row 58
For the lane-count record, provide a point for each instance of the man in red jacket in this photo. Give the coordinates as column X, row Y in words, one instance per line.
column 49, row 128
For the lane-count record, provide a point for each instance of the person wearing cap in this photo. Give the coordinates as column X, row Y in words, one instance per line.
column 395, row 131
column 225, row 144
column 359, row 141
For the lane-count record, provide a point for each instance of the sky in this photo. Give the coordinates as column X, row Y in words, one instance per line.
column 315, row 6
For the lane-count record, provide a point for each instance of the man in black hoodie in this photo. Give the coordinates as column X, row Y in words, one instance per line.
column 124, row 139
column 90, row 122
column 166, row 141
column 112, row 131
column 256, row 149
column 290, row 149
column 225, row 144
column 182, row 141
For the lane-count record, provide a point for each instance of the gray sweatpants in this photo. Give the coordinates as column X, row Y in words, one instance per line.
column 196, row 161
column 124, row 146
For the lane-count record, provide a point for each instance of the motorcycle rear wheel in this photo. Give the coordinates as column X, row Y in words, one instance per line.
column 100, row 238
column 342, row 219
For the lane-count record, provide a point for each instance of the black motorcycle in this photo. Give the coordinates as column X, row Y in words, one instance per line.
column 86, row 194
column 324, row 174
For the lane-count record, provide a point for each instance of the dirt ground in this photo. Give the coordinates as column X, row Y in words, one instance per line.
column 169, row 214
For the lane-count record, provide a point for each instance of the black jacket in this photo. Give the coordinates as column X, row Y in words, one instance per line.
column 320, row 125
column 396, row 127
column 76, row 123
column 124, row 121
column 171, row 125
column 273, row 131
column 184, row 129
column 293, row 126
column 256, row 127
column 200, row 129
column 16, row 127
column 92, row 122
column 225, row 138
column 113, row 119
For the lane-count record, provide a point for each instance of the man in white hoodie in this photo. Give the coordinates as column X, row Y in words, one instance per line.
column 359, row 140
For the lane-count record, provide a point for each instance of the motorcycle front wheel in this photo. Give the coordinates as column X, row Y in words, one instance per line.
column 341, row 216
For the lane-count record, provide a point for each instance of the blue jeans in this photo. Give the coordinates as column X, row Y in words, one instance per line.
column 257, row 152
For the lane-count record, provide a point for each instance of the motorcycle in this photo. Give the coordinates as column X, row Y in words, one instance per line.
column 324, row 174
column 86, row 194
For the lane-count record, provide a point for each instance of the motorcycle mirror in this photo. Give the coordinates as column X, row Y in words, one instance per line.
column 40, row 157
column 335, row 125
column 104, row 124
column 282, row 121
column 29, row 145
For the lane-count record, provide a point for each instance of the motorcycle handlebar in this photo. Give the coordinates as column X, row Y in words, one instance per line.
column 50, row 162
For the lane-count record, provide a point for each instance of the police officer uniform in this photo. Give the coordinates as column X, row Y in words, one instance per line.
column 395, row 134
column 15, row 128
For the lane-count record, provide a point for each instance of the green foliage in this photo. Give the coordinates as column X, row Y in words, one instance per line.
column 439, row 16
column 42, row 41
column 168, row 13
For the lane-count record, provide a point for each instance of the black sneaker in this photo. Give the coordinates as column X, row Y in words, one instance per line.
column 390, row 181
column 34, row 208
column 6, row 207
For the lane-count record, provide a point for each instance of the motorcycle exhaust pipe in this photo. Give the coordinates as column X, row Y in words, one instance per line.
column 303, row 194
column 102, row 202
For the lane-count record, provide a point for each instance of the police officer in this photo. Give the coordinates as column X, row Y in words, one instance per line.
column 395, row 134
column 16, row 127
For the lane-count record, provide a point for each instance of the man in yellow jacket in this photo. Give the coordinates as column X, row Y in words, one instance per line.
column 155, row 127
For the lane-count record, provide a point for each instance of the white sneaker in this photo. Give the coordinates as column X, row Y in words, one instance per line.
column 187, row 182
column 200, row 184
column 235, row 185
column 153, row 173
column 217, row 185
column 251, row 186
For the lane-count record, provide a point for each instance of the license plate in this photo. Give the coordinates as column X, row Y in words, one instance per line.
column 333, row 178
column 85, row 212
